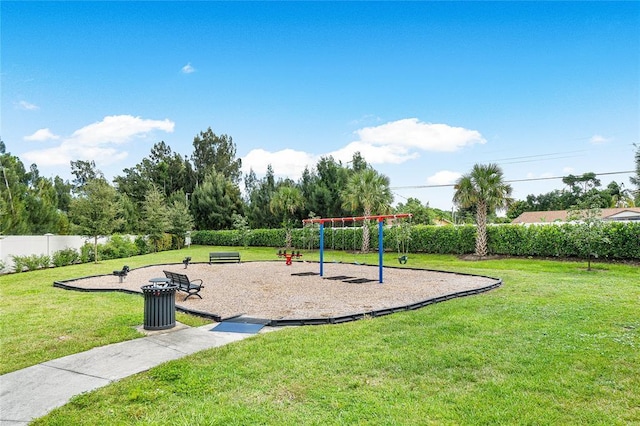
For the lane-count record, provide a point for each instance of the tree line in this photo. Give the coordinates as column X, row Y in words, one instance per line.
column 170, row 192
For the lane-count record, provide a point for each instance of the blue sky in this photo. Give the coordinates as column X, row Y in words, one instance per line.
column 423, row 89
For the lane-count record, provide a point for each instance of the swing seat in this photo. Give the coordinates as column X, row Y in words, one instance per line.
column 403, row 259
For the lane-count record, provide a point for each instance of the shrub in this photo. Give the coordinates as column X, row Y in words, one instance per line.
column 177, row 241
column 30, row 263
column 618, row 240
column 164, row 243
column 440, row 239
column 269, row 237
column 624, row 240
column 86, row 253
column 243, row 232
column 44, row 261
column 202, row 237
column 551, row 240
column 118, row 247
column 65, row 257
column 142, row 245
column 19, row 263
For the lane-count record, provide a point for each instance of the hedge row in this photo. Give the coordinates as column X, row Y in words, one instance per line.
column 553, row 240
column 621, row 240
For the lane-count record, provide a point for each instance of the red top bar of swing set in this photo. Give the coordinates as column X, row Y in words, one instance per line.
column 357, row 218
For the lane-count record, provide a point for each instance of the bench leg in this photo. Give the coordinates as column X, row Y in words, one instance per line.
column 192, row 294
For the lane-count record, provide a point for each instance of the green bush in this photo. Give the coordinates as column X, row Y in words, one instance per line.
column 86, row 253
column 65, row 257
column 624, row 240
column 177, row 241
column 30, row 263
column 440, row 239
column 19, row 263
column 38, row 262
column 117, row 247
column 202, row 237
column 165, row 243
column 620, row 240
column 551, row 240
column 142, row 245
column 269, row 237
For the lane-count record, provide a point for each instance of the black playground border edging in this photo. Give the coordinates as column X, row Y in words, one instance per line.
column 63, row 285
column 306, row 321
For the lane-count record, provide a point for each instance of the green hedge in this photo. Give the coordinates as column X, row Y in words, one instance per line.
column 622, row 240
column 551, row 240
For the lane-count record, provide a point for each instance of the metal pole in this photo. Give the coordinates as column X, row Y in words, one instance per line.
column 321, row 249
column 380, row 247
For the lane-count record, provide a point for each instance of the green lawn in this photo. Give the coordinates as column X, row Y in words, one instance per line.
column 554, row 345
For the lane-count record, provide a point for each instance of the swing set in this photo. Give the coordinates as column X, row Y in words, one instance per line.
column 402, row 258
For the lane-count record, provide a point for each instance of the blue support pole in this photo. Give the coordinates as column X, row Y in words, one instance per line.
column 380, row 246
column 321, row 249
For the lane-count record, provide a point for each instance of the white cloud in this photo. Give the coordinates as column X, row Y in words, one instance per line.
column 568, row 170
column 444, row 177
column 41, row 136
column 98, row 141
column 62, row 155
column 598, row 139
column 391, row 143
column 287, row 162
column 412, row 133
column 374, row 154
column 118, row 129
column 188, row 69
column 28, row 106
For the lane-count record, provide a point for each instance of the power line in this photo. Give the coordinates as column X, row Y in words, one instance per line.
column 540, row 157
column 448, row 185
column 546, row 157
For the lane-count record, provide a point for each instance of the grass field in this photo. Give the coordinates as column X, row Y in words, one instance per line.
column 554, row 345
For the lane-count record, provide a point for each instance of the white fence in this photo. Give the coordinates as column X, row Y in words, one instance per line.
column 27, row 245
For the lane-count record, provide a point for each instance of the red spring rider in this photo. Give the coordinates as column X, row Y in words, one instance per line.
column 289, row 256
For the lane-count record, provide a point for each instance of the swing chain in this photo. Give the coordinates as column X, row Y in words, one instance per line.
column 403, row 236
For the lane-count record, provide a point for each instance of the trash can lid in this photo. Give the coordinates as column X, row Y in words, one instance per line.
column 158, row 288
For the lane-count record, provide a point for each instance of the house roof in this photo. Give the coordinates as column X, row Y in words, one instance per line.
column 628, row 213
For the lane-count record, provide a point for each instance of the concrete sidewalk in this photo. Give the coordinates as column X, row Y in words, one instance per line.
column 34, row 391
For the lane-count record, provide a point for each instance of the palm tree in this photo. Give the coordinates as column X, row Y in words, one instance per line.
column 369, row 191
column 485, row 189
column 286, row 200
column 620, row 196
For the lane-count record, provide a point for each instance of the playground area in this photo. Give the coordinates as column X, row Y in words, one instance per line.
column 273, row 290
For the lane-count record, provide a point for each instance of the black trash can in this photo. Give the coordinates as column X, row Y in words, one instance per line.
column 159, row 306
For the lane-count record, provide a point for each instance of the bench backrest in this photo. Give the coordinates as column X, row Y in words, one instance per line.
column 224, row 254
column 178, row 279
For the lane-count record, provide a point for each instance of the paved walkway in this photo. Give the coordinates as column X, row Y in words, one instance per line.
column 34, row 391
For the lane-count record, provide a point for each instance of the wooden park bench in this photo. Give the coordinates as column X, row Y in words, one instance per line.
column 224, row 257
column 192, row 288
